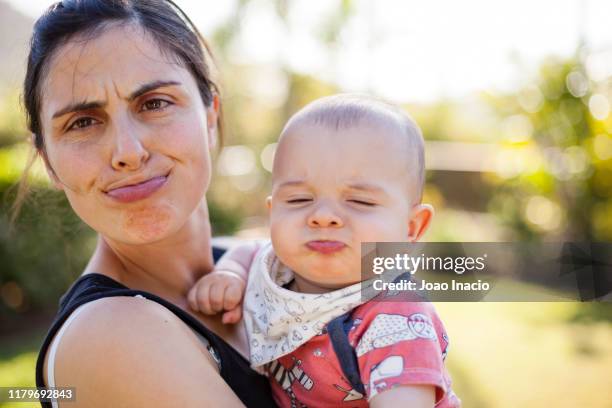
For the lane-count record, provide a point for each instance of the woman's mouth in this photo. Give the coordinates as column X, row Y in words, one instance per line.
column 138, row 191
column 325, row 247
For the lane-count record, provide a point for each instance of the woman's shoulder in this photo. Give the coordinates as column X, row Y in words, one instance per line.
column 128, row 349
column 107, row 315
column 125, row 324
column 146, row 336
column 122, row 323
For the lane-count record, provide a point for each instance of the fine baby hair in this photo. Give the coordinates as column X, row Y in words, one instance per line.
column 347, row 110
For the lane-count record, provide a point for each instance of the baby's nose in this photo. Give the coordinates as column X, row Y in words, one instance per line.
column 325, row 217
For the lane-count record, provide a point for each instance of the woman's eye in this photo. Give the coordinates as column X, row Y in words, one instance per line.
column 299, row 200
column 154, row 104
column 81, row 123
column 364, row 203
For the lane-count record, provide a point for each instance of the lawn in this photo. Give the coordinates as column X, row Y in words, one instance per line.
column 17, row 362
column 529, row 354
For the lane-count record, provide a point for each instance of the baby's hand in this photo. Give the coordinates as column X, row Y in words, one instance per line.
column 220, row 290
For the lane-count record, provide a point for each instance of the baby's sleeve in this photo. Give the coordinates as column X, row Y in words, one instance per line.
column 400, row 343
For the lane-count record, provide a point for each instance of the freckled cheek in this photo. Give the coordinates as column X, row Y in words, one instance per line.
column 185, row 136
column 77, row 169
column 188, row 145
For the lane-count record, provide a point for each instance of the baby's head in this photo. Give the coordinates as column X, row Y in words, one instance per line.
column 348, row 169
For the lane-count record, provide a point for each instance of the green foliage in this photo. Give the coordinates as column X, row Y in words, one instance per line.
column 42, row 254
column 568, row 194
column 303, row 89
column 224, row 221
column 592, row 313
column 12, row 123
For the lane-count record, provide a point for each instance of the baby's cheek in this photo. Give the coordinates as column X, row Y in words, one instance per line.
column 286, row 243
column 284, row 227
column 283, row 244
column 382, row 229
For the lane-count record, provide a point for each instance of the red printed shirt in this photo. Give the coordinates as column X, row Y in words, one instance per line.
column 396, row 343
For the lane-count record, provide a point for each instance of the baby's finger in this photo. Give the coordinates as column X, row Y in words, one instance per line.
column 203, row 299
column 192, row 300
column 233, row 296
column 232, row 316
column 215, row 297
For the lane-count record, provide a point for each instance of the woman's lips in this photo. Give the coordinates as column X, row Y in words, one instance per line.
column 139, row 191
column 325, row 247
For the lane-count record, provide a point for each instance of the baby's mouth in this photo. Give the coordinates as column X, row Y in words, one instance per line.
column 325, row 246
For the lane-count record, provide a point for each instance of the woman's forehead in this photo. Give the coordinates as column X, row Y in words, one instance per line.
column 117, row 60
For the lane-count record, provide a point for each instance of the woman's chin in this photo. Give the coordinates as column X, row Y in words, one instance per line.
column 147, row 225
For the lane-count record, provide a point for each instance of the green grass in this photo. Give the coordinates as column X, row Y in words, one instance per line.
column 18, row 371
column 18, row 361
column 528, row 355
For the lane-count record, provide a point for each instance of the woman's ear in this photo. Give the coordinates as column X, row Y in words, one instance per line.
column 212, row 118
column 419, row 221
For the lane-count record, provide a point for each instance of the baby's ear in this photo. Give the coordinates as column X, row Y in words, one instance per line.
column 269, row 202
column 419, row 221
column 212, row 119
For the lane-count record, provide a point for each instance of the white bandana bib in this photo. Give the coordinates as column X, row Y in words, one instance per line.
column 279, row 320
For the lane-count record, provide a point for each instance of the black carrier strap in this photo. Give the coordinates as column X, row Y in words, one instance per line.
column 338, row 330
column 338, row 334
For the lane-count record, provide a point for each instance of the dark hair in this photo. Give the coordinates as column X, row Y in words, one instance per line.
column 168, row 25
column 162, row 19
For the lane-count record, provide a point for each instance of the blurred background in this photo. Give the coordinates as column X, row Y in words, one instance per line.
column 513, row 98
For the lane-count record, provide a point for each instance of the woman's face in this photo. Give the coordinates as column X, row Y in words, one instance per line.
column 126, row 134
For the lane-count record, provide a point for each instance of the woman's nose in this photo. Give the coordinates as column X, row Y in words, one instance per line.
column 324, row 216
column 129, row 153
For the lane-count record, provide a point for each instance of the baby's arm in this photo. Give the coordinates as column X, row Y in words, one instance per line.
column 400, row 347
column 223, row 288
column 419, row 396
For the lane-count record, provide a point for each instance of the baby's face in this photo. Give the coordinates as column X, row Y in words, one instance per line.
column 333, row 190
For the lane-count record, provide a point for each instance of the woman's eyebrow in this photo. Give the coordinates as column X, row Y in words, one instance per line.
column 79, row 106
column 151, row 86
column 143, row 89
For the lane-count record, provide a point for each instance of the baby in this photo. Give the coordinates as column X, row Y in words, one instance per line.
column 348, row 169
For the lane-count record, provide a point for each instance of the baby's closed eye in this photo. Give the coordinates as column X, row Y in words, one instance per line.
column 363, row 202
column 299, row 200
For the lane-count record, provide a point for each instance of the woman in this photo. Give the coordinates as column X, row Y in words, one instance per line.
column 124, row 114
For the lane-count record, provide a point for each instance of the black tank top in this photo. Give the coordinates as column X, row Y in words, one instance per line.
column 252, row 388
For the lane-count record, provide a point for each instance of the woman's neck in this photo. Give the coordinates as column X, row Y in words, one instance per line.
column 168, row 268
